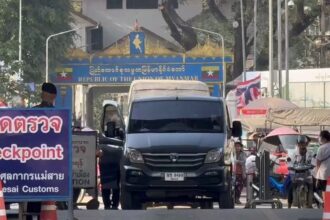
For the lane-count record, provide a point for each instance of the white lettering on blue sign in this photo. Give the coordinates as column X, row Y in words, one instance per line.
column 24, row 154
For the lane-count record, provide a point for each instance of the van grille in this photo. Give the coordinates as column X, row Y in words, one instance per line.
column 173, row 160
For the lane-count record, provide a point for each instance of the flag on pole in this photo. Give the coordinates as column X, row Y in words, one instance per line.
column 247, row 92
column 136, row 26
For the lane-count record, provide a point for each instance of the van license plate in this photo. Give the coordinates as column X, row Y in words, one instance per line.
column 174, row 176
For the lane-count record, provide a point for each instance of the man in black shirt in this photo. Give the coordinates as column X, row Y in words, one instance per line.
column 48, row 95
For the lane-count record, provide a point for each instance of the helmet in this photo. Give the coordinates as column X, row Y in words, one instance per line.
column 302, row 139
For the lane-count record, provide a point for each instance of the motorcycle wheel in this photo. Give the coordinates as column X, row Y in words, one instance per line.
column 302, row 196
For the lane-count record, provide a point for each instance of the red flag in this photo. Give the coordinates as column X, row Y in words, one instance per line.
column 247, row 92
column 136, row 25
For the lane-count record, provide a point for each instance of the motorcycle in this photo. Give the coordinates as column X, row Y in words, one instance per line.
column 279, row 186
column 300, row 177
column 302, row 183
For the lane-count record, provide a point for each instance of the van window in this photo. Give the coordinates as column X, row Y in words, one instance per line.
column 177, row 116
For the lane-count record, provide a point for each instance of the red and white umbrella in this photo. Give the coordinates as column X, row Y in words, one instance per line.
column 274, row 136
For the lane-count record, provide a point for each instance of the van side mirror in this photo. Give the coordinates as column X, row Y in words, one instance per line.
column 110, row 141
column 237, row 129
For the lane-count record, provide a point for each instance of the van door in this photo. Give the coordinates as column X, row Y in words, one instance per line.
column 112, row 134
column 112, row 122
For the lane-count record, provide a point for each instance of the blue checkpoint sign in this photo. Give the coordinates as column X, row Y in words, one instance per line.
column 36, row 154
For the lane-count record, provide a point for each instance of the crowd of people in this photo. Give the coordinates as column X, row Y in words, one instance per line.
column 320, row 162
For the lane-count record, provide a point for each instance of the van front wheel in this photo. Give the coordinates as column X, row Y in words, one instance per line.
column 226, row 200
column 129, row 200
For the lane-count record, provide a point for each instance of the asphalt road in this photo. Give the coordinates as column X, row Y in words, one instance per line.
column 263, row 212
column 189, row 214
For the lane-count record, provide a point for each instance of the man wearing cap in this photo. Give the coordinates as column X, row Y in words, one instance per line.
column 48, row 96
column 301, row 157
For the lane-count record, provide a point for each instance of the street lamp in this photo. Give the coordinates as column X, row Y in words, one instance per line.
column 60, row 33
column 48, row 38
column 223, row 56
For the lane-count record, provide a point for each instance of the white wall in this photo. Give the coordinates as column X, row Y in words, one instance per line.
column 119, row 22
column 295, row 75
column 80, row 38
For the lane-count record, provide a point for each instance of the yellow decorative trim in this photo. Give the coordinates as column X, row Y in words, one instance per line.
column 209, row 49
column 77, row 53
column 118, row 49
column 154, row 48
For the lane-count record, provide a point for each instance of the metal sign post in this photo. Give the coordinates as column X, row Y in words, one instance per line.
column 263, row 163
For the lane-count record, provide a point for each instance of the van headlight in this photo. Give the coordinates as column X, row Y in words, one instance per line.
column 134, row 156
column 214, row 156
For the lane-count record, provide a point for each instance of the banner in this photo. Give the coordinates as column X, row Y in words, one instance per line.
column 84, row 159
column 35, row 154
column 123, row 70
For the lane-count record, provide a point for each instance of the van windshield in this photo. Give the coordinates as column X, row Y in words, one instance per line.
column 176, row 116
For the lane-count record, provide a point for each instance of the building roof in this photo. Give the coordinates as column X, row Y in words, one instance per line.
column 155, row 45
column 85, row 18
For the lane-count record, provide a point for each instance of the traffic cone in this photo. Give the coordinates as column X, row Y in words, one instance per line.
column 48, row 211
column 326, row 209
column 3, row 215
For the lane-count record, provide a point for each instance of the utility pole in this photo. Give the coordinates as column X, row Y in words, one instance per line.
column 243, row 40
column 255, row 8
column 279, row 46
column 286, row 50
column 325, row 30
column 271, row 48
column 322, row 28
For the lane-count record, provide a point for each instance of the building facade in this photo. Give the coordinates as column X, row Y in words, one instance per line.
column 117, row 18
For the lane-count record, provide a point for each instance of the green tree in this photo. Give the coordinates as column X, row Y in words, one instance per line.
column 225, row 12
column 40, row 19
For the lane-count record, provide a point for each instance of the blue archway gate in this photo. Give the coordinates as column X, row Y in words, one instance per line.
column 133, row 57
